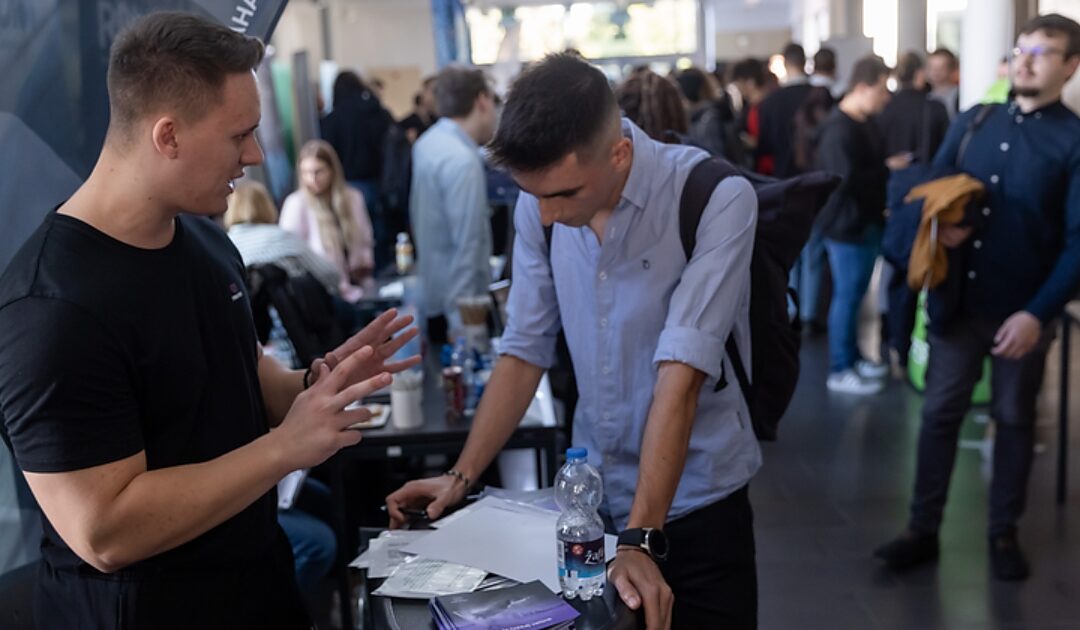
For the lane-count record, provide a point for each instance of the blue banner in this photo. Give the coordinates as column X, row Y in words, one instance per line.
column 54, row 106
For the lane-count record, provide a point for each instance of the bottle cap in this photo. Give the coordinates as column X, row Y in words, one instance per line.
column 577, row 453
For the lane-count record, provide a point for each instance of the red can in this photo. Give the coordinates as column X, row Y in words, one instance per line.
column 454, row 384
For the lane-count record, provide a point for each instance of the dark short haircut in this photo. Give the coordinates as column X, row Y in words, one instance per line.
column 949, row 55
column 456, row 89
column 794, row 55
column 348, row 85
column 695, row 86
column 557, row 106
column 908, row 67
column 749, row 69
column 868, row 71
column 174, row 60
column 1054, row 24
column 654, row 104
column 825, row 60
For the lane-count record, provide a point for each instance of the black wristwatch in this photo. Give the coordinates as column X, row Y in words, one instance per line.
column 651, row 541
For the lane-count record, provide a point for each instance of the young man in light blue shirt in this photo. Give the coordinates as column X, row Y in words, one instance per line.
column 646, row 331
column 448, row 205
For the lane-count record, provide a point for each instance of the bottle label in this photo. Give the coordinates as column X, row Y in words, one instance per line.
column 581, row 559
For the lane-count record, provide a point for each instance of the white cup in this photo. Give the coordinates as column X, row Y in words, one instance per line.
column 406, row 408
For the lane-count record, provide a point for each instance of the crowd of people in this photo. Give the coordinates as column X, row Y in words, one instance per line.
column 141, row 412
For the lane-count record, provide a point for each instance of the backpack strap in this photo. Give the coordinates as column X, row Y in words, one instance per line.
column 700, row 184
column 973, row 126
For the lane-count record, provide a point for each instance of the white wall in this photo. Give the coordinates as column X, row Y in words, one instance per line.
column 374, row 34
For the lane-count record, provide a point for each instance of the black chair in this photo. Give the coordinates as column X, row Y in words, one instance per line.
column 305, row 307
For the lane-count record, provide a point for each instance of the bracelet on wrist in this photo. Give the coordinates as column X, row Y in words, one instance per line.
column 458, row 475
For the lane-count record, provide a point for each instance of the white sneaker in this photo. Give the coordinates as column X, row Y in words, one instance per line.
column 871, row 370
column 849, row 382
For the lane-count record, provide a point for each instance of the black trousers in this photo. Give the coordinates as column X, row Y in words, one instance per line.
column 711, row 567
column 956, row 360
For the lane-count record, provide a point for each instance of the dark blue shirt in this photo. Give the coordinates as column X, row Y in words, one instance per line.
column 1024, row 254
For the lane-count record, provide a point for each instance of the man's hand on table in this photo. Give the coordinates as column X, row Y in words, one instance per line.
column 638, row 580
column 434, row 495
column 379, row 334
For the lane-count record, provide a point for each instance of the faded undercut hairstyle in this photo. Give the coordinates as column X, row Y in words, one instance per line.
column 557, row 106
column 173, row 61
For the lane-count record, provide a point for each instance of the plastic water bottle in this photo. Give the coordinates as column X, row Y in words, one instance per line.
column 579, row 532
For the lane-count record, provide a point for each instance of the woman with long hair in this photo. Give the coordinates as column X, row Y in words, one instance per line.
column 655, row 105
column 331, row 216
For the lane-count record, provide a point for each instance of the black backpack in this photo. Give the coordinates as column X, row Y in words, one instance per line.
column 786, row 212
column 395, row 179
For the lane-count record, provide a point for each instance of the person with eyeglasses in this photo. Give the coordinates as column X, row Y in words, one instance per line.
column 1013, row 265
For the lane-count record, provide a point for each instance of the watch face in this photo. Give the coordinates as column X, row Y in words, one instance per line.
column 658, row 543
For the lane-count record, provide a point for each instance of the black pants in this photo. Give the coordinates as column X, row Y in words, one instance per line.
column 956, row 361
column 711, row 568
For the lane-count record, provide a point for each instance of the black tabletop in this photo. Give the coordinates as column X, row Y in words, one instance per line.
column 606, row 613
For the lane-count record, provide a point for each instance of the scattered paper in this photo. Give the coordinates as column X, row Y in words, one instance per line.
column 385, row 553
column 509, row 539
column 425, row 578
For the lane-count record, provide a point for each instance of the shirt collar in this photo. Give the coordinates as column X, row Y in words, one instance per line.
column 1049, row 108
column 455, row 129
column 637, row 187
column 801, row 79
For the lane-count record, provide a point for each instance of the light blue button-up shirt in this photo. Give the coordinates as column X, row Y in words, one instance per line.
column 634, row 301
column 451, row 219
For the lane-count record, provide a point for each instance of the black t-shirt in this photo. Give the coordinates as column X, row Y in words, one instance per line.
column 107, row 350
column 855, row 151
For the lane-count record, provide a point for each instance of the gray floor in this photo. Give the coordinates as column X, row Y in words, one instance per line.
column 837, row 484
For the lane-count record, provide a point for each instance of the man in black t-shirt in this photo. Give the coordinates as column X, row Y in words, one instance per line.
column 133, row 391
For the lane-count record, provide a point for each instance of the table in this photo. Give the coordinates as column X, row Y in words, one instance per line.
column 439, row 435
column 1070, row 318
column 608, row 613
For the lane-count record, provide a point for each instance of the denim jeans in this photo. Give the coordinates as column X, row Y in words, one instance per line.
column 313, row 542
column 956, row 363
column 851, row 264
column 806, row 275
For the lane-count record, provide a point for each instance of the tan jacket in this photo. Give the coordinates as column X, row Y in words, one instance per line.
column 944, row 199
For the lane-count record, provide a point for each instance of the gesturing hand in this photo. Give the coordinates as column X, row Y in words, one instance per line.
column 379, row 334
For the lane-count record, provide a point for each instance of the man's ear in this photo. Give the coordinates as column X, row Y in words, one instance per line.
column 622, row 154
column 1070, row 66
column 163, row 135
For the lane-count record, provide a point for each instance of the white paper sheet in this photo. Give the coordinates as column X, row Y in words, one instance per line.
column 516, row 542
column 385, row 553
column 424, row 579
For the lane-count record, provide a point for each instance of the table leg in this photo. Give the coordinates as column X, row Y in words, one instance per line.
column 1063, row 413
column 337, row 491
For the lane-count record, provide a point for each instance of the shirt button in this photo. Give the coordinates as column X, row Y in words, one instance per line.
column 971, row 274
column 977, row 244
column 603, row 275
column 994, row 179
column 986, row 212
column 1004, row 146
column 1038, row 115
column 605, row 370
column 607, row 416
column 603, row 322
column 1019, row 119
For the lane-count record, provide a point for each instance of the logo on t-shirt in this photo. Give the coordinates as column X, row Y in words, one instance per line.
column 235, row 291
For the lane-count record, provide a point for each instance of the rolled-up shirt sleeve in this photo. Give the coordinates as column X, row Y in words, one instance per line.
column 714, row 287
column 532, row 316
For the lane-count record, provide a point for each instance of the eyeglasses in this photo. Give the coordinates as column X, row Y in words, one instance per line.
column 1036, row 51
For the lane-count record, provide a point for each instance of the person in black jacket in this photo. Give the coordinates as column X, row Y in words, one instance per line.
column 778, row 112
column 851, row 146
column 356, row 128
column 913, row 125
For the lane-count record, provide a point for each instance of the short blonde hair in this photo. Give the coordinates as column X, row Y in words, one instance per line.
column 250, row 203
